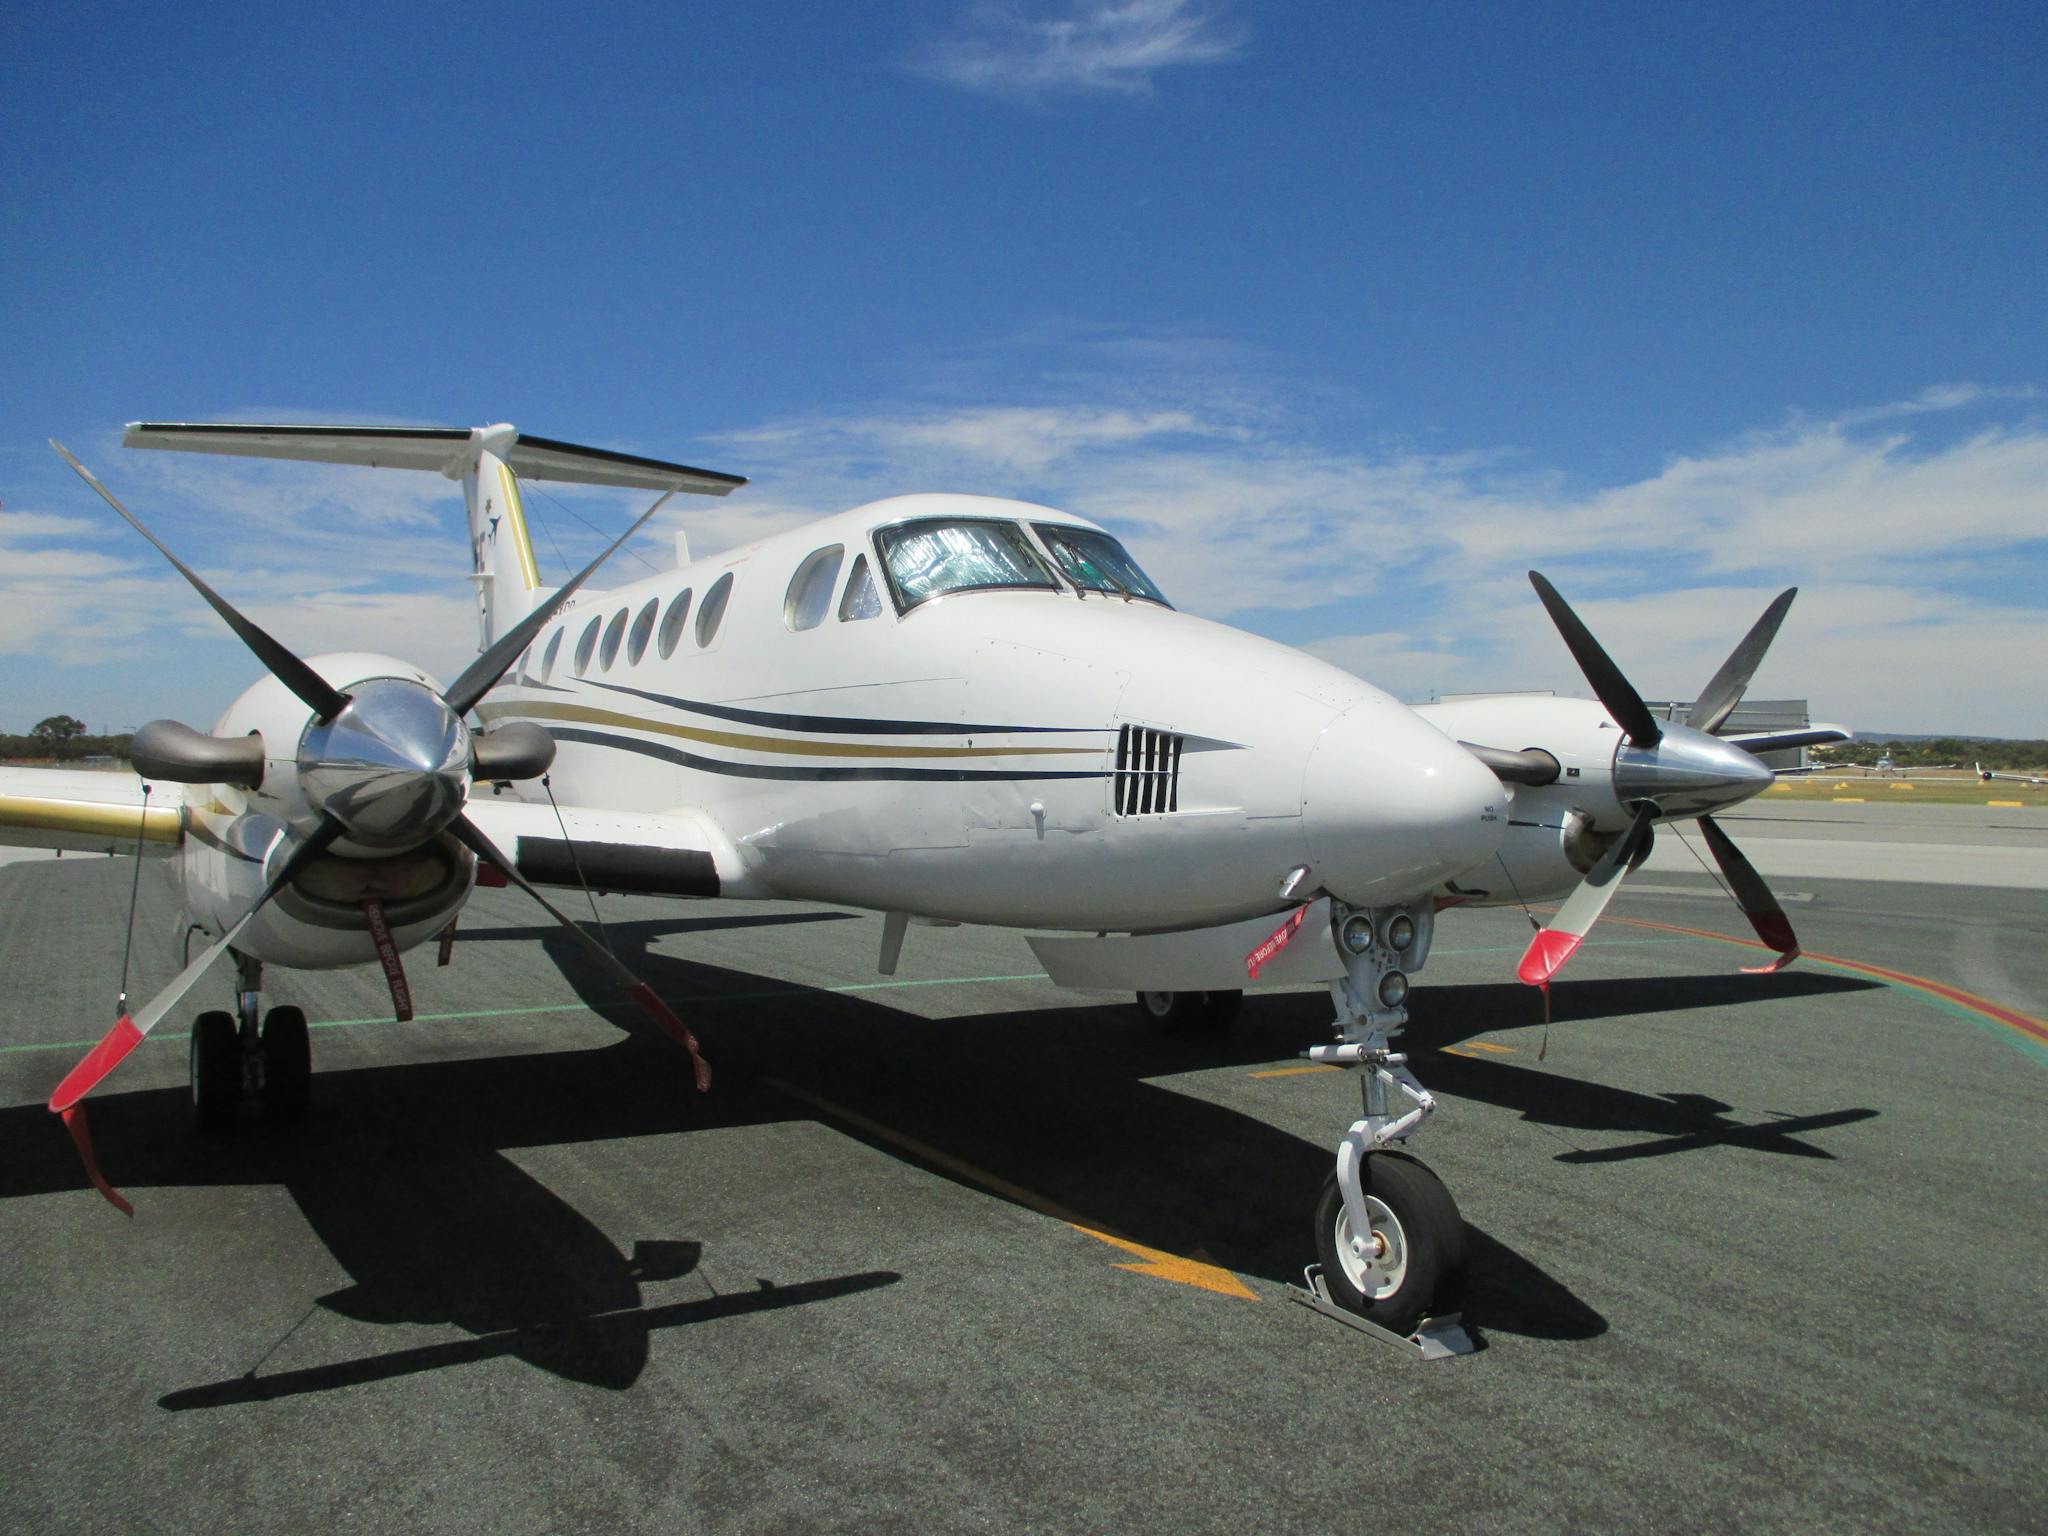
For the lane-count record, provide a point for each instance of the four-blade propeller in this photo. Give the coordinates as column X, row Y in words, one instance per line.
column 387, row 766
column 1665, row 770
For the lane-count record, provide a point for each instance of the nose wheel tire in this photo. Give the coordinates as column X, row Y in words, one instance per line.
column 287, row 1064
column 1412, row 1264
column 216, row 1067
column 1189, row 1010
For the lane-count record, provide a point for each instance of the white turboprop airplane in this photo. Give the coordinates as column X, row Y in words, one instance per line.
column 943, row 707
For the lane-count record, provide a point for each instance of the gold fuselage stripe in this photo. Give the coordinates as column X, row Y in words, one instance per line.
column 515, row 516
column 158, row 824
column 776, row 744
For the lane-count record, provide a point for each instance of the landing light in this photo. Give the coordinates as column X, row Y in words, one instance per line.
column 1393, row 989
column 1356, row 933
column 1401, row 931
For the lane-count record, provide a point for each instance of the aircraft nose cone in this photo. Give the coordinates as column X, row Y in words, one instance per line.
column 1392, row 807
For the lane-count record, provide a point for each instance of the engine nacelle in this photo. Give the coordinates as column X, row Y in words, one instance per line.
column 396, row 851
column 318, row 921
column 1548, row 849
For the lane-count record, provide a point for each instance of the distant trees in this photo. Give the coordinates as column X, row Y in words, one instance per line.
column 64, row 738
column 1945, row 751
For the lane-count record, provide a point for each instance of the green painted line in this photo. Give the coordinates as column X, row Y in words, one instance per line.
column 621, row 1006
column 2033, row 1050
column 1516, row 949
column 1998, row 1031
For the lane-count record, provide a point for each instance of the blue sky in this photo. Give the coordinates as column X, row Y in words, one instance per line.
column 1344, row 316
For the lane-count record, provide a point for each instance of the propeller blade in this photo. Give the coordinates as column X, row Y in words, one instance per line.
column 1609, row 686
column 1718, row 700
column 482, row 675
column 1760, row 742
column 130, row 1030
column 319, row 695
column 1754, row 897
column 1552, row 946
column 611, row 964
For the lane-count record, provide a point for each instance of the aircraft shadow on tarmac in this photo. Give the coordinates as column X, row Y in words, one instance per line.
column 399, row 1170
column 1678, row 1121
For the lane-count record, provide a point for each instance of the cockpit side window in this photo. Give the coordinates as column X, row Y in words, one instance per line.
column 1095, row 562
column 933, row 556
column 862, row 600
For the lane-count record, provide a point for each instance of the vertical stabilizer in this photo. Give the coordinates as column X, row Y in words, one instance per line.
column 503, row 568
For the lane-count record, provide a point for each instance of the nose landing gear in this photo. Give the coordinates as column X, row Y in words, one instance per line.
column 1389, row 1238
column 250, row 1052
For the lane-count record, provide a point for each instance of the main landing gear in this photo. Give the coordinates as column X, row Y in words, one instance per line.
column 250, row 1052
column 1190, row 1010
column 1389, row 1239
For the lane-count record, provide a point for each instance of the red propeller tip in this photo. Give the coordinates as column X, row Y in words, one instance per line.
column 1783, row 960
column 99, row 1061
column 1548, row 950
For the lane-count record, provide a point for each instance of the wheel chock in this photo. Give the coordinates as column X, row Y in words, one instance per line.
column 1434, row 1338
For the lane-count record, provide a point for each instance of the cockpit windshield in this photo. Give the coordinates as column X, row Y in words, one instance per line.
column 1095, row 562
column 938, row 555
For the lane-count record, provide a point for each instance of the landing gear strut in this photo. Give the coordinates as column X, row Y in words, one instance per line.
column 1389, row 1238
column 249, row 1052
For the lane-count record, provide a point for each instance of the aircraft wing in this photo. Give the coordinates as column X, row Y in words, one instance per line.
column 674, row 853
column 80, row 810
column 671, row 854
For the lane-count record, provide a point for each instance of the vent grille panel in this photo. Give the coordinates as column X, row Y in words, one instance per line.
column 1147, row 777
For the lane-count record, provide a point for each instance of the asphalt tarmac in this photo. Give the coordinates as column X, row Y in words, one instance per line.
column 954, row 1250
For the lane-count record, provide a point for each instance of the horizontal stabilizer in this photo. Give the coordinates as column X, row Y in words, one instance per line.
column 446, row 450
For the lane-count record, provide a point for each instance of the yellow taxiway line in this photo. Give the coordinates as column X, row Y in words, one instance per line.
column 1152, row 1261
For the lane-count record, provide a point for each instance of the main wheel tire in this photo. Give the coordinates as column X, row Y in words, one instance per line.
column 287, row 1063
column 1189, row 1010
column 1418, row 1267
column 216, row 1068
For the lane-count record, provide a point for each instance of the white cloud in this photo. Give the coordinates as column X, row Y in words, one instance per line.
column 1011, row 439
column 1922, row 550
column 1918, row 532
column 1003, row 47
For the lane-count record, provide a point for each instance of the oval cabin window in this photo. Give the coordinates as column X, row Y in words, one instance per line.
column 586, row 645
column 613, row 633
column 810, row 590
column 712, row 610
column 672, row 623
column 643, row 626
